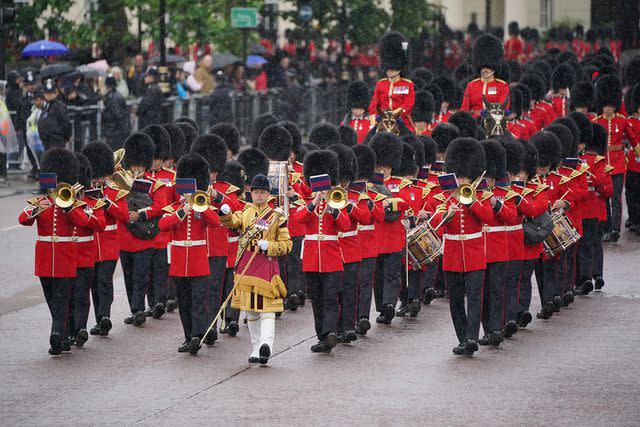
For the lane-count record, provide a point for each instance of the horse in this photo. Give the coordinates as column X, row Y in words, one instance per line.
column 494, row 118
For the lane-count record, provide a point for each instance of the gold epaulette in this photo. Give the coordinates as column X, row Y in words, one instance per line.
column 295, row 177
column 541, row 187
column 501, row 81
column 158, row 184
column 403, row 182
column 406, row 80
column 574, row 174
column 426, row 191
column 169, row 209
column 440, row 197
column 474, row 80
column 99, row 204
column 526, row 191
column 486, row 195
column 232, row 189
column 172, row 171
column 363, row 196
column 621, row 115
column 608, row 168
column 510, row 194
column 442, row 207
column 599, row 159
column 121, row 194
column 379, row 197
column 79, row 204
column 299, row 202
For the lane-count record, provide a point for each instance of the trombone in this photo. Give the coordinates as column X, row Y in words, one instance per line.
column 466, row 193
column 64, row 195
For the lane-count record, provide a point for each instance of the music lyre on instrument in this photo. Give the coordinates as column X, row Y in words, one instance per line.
column 279, row 178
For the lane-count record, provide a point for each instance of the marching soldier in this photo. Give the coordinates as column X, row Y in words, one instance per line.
column 422, row 113
column 321, row 252
column 562, row 79
column 537, row 112
column 55, row 262
column 359, row 99
column 393, row 92
column 583, row 99
column 107, row 240
column 486, row 55
column 231, row 137
column 189, row 268
column 446, row 107
column 632, row 183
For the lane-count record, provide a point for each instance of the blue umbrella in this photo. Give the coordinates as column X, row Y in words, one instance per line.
column 255, row 60
column 44, row 48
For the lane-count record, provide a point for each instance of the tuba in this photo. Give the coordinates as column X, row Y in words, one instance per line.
column 64, row 195
column 121, row 178
column 337, row 198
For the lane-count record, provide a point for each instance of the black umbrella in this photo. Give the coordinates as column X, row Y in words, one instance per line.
column 221, row 60
column 171, row 59
column 55, row 70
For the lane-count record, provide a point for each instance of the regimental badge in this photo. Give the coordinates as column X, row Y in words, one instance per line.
column 401, row 90
column 394, row 188
column 492, row 90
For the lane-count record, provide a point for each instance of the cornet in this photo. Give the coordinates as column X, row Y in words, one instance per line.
column 200, row 201
column 466, row 193
column 64, row 195
column 337, row 198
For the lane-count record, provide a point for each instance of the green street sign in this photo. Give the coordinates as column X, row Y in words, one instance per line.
column 244, row 17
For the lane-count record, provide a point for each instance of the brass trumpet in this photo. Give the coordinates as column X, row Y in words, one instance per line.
column 200, row 201
column 466, row 193
column 64, row 195
column 337, row 198
column 121, row 178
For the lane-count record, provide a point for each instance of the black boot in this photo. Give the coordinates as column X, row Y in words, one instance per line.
column 293, row 302
column 429, row 295
column 363, row 326
column 414, row 308
column 586, row 287
column 615, row 236
column 485, row 340
column 184, row 348
column 557, row 303
column 81, row 337
column 171, row 305
column 459, row 350
column 470, row 347
column 525, row 319
column 211, row 337
column 402, row 311
column 510, row 329
column 139, row 318
column 55, row 341
column 233, row 328
column 496, row 338
column 95, row 330
column 105, row 326
column 158, row 310
column 194, row 346
column 567, row 299
column 599, row 283
column 265, row 353
column 389, row 313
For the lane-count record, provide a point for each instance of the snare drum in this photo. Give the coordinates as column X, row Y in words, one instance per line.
column 563, row 236
column 423, row 246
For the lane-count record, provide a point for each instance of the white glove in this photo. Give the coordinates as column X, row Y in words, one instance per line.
column 263, row 245
column 225, row 209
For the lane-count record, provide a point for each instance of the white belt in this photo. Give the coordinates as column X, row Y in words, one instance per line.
column 55, row 239
column 513, row 227
column 111, row 227
column 370, row 227
column 321, row 237
column 233, row 239
column 348, row 233
column 495, row 229
column 187, row 243
column 83, row 239
column 463, row 236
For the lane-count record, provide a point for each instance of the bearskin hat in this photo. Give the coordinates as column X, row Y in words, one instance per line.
column 634, row 99
column 567, row 56
column 324, row 135
column 407, row 165
column 631, row 73
column 526, row 97
column 423, row 74
column 447, row 87
column 321, row 162
column 430, row 149
column 495, row 158
column 190, row 134
column 100, row 156
column 229, row 134
column 584, row 126
column 161, row 140
column 213, row 149
column 254, row 162
column 598, row 143
column 275, row 142
column 608, row 92
column 464, row 72
column 418, row 148
column 567, row 142
column 436, row 92
column 548, row 146
column 63, row 163
column 177, row 140
column 233, row 174
column 388, row 149
column 366, row 159
column 189, row 121
column 514, row 152
column 296, row 136
column 544, row 70
column 304, row 149
column 465, row 157
column 348, row 136
column 443, row 134
column 563, row 77
column 573, row 127
column 529, row 158
column 138, row 151
column 259, row 124
column 84, row 170
column 192, row 165
column 514, row 28
column 424, row 107
column 487, row 52
column 393, row 49
column 582, row 95
column 466, row 124
column 535, row 83
column 348, row 162
column 515, row 100
column 359, row 95
column 515, row 70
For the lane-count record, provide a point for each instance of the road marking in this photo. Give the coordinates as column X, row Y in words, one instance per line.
column 13, row 227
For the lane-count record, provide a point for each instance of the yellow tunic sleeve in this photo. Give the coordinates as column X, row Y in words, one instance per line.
column 279, row 240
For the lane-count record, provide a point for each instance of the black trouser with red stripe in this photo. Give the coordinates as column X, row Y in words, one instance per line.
column 217, row 266
column 80, row 302
column 57, row 292
column 193, row 295
column 493, row 296
column 365, row 286
column 348, row 297
column 632, row 195
column 466, row 320
column 512, row 289
column 591, row 237
column 231, row 314
column 388, row 280
column 324, row 300
column 614, row 204
column 102, row 288
column 528, row 266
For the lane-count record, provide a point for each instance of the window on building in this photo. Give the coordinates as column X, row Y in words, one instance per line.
column 546, row 13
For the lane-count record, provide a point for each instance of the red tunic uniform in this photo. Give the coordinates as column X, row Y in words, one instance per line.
column 576, row 180
column 321, row 250
column 84, row 236
column 496, row 233
column 350, row 241
column 513, row 49
column 56, row 254
column 188, row 239
column 560, row 105
column 168, row 178
column 115, row 210
column 540, row 116
column 600, row 187
column 391, row 234
column 495, row 90
column 129, row 242
column 393, row 94
column 533, row 202
column 361, row 125
column 618, row 128
column 633, row 155
column 369, row 233
column 518, row 129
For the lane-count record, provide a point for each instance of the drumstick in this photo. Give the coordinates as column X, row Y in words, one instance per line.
column 563, row 196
